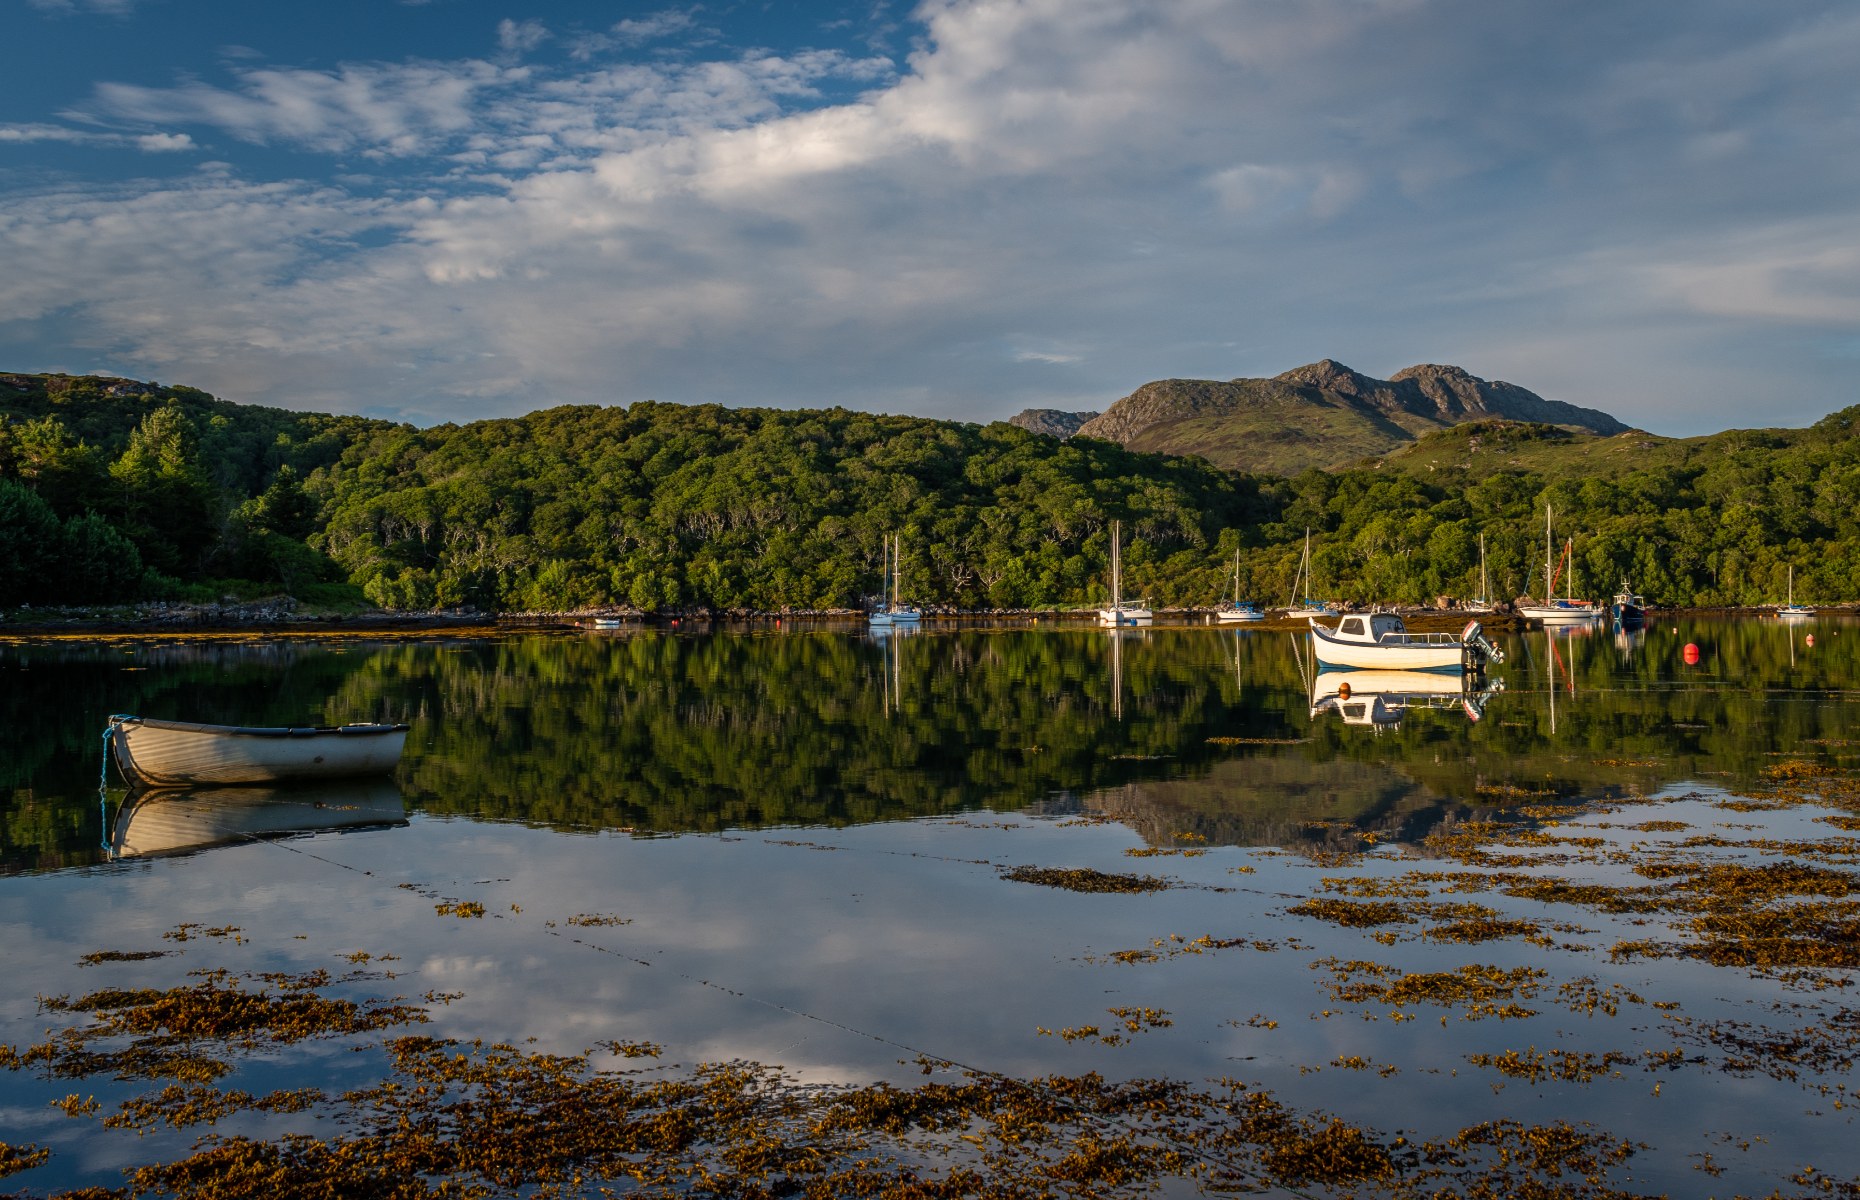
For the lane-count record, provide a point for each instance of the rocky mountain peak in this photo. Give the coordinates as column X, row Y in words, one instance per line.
column 1051, row 421
column 1328, row 375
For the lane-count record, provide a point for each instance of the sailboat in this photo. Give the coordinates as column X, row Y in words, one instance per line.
column 1482, row 603
column 1238, row 609
column 1306, row 607
column 1793, row 611
column 1555, row 609
column 893, row 611
column 1121, row 613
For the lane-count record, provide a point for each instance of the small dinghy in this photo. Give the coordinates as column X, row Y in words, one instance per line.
column 182, row 753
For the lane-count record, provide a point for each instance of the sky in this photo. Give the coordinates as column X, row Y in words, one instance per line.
column 444, row 210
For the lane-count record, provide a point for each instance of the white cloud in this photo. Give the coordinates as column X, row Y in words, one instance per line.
column 150, row 142
column 658, row 25
column 113, row 8
column 165, row 143
column 521, row 37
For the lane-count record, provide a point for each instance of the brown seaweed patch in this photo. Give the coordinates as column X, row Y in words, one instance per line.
column 14, row 1159
column 1085, row 879
column 181, row 1106
column 1353, row 914
column 109, row 956
column 598, row 919
column 1481, row 990
column 169, row 1030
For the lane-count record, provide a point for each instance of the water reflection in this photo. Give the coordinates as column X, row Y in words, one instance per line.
column 1380, row 699
column 181, row 821
column 666, row 731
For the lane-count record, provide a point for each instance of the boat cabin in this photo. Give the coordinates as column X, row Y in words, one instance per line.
column 1368, row 628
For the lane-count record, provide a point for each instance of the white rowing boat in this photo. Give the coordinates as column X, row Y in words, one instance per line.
column 182, row 753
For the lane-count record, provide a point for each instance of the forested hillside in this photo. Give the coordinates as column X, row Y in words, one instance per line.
column 107, row 496
column 113, row 489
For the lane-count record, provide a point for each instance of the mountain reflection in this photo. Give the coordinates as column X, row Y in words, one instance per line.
column 1217, row 732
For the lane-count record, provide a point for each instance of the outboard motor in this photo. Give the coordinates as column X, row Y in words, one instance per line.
column 1478, row 647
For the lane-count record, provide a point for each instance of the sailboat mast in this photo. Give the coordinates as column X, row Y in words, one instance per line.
column 1485, row 589
column 1549, row 554
column 897, row 568
column 1117, row 566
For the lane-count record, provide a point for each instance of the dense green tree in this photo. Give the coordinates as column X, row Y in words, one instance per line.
column 29, row 534
column 95, row 563
column 165, row 499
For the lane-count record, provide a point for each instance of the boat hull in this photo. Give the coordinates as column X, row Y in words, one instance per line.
column 1336, row 655
column 1558, row 615
column 181, row 753
column 1125, row 616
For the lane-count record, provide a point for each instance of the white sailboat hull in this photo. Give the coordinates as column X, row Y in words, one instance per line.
column 1239, row 614
column 181, row 753
column 1558, row 614
column 1125, row 615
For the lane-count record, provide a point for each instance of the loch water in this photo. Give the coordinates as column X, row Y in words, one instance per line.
column 806, row 846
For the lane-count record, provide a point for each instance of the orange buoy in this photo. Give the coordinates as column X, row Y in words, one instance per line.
column 1809, row 640
column 1692, row 653
column 1343, row 691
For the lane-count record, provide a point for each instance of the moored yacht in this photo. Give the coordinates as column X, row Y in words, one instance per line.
column 1121, row 611
column 1381, row 641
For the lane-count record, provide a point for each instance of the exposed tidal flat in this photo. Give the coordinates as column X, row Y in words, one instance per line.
column 991, row 910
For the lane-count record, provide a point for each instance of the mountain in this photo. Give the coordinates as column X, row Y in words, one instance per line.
column 1050, row 421
column 1322, row 415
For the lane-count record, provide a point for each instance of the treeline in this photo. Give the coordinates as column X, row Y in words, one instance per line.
column 667, row 507
column 108, row 492
column 114, row 490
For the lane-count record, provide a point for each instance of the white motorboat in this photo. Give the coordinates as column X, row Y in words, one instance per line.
column 894, row 611
column 1560, row 610
column 169, row 822
column 1238, row 609
column 182, row 753
column 1381, row 642
column 1121, row 611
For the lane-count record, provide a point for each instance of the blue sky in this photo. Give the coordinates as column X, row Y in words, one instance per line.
column 456, row 209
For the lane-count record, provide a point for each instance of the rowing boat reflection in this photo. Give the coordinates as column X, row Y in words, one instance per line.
column 179, row 822
column 1380, row 699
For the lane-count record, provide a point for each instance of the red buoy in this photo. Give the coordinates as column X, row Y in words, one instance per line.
column 1692, row 653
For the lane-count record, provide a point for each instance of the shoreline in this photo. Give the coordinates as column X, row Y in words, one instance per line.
column 272, row 620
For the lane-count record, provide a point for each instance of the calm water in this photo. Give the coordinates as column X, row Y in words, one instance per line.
column 788, row 846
